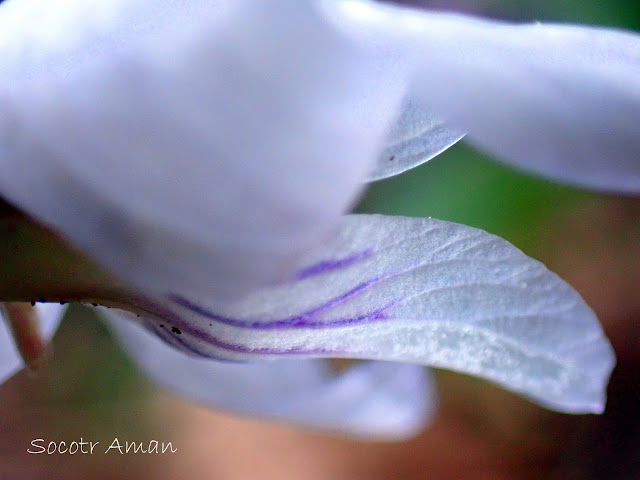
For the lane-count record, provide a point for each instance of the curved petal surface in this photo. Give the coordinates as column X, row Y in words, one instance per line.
column 416, row 290
column 415, row 138
column 191, row 146
column 560, row 100
column 371, row 399
column 10, row 360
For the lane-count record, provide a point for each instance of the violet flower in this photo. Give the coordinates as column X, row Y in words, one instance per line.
column 204, row 153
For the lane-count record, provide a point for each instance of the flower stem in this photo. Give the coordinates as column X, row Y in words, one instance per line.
column 37, row 265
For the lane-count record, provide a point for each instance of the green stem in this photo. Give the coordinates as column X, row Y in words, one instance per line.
column 36, row 264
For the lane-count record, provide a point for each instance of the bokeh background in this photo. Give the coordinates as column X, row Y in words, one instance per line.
column 90, row 389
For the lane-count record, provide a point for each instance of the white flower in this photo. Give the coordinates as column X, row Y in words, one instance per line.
column 204, row 153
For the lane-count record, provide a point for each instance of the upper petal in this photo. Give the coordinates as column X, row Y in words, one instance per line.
column 560, row 100
column 371, row 399
column 190, row 146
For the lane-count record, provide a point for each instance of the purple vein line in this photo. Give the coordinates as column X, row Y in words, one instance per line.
column 209, row 339
column 304, row 320
column 329, row 265
column 175, row 341
column 178, row 342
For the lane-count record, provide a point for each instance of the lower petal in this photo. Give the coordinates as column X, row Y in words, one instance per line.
column 370, row 399
column 413, row 290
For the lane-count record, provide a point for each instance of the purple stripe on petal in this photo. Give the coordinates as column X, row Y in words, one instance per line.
column 192, row 349
column 304, row 320
column 188, row 329
column 171, row 340
column 329, row 265
column 162, row 335
column 206, row 337
column 176, row 341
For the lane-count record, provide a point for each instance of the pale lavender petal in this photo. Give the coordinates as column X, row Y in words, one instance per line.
column 371, row 399
column 10, row 360
column 415, row 290
column 415, row 138
column 198, row 147
column 560, row 100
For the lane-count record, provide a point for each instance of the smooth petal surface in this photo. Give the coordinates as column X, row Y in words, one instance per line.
column 10, row 360
column 371, row 399
column 416, row 290
column 415, row 138
column 560, row 100
column 190, row 146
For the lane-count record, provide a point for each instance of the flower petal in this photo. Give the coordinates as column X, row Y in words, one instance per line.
column 50, row 315
column 560, row 100
column 371, row 399
column 416, row 290
column 200, row 152
column 416, row 137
